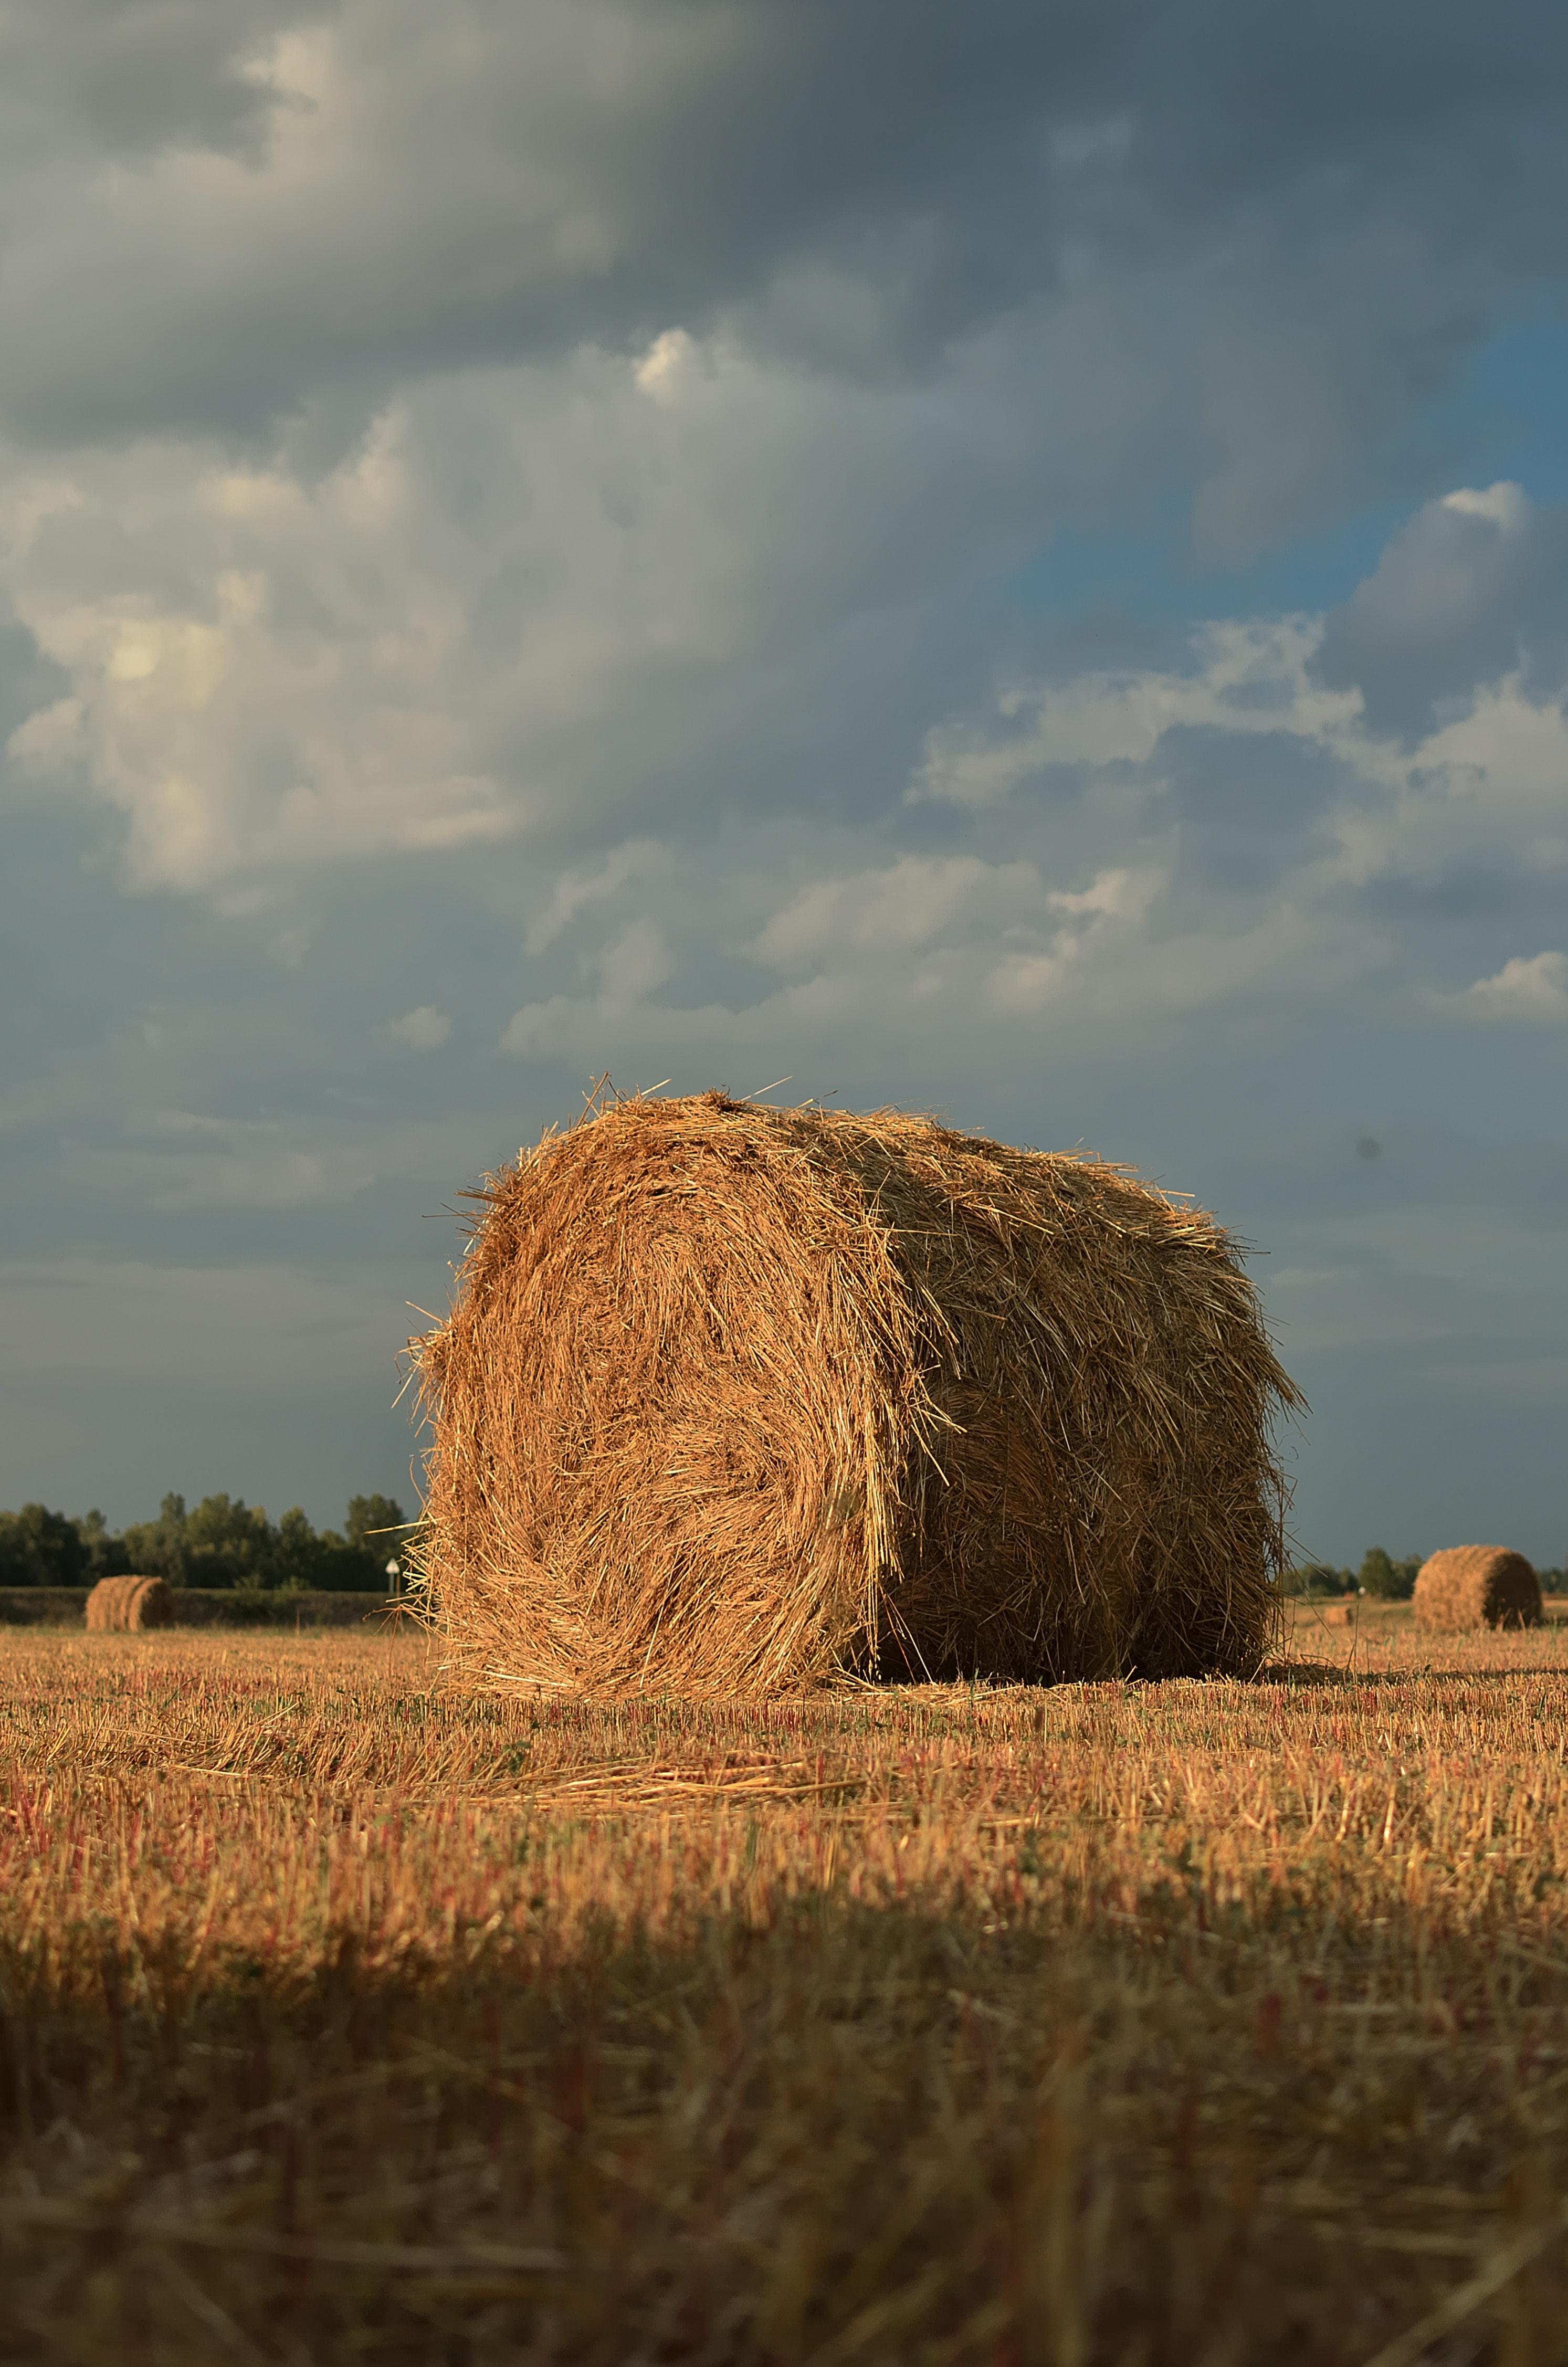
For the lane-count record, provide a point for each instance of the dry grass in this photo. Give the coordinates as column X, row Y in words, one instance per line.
column 1180, row 2024
column 734, row 1398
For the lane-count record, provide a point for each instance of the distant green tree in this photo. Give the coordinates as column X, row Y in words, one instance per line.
column 1387, row 1579
column 375, row 1533
column 1377, row 1573
column 342, row 1568
column 221, row 1542
column 38, row 1547
column 1316, row 1578
column 297, row 1553
column 104, row 1553
column 376, row 1521
column 229, row 1543
column 158, row 1549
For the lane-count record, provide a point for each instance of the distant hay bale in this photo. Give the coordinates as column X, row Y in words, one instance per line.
column 1477, row 1586
column 105, row 1604
column 735, row 1398
column 130, row 1603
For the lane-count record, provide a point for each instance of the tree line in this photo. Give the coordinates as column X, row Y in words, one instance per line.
column 1382, row 1576
column 220, row 1542
column 223, row 1541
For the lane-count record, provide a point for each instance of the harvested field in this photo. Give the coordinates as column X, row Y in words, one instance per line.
column 219, row 1607
column 1184, row 2023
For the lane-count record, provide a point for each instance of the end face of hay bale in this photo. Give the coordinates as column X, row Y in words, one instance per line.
column 150, row 1604
column 734, row 1398
column 133, row 1603
column 1467, row 1587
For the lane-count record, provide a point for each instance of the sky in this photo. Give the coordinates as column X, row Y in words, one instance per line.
column 1010, row 560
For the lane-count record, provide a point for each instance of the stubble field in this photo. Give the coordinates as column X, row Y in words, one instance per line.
column 341, row 2018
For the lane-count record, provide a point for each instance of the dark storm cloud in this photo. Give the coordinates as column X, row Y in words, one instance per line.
column 27, row 678
column 857, row 180
column 125, row 79
column 1508, row 888
column 1247, row 807
column 1475, row 586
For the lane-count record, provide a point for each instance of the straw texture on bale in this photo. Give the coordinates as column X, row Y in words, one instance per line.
column 135, row 1602
column 1477, row 1586
column 735, row 1398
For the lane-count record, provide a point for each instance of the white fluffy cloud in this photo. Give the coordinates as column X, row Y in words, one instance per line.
column 266, row 672
column 1227, row 834
column 269, row 673
column 521, row 596
column 1533, row 988
column 428, row 435
column 1249, row 678
column 424, row 1030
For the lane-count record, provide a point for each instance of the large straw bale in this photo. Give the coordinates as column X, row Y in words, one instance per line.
column 1477, row 1586
column 130, row 1603
column 734, row 1398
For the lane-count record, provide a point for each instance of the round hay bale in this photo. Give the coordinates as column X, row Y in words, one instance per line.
column 1477, row 1586
column 130, row 1603
column 105, row 1604
column 734, row 1398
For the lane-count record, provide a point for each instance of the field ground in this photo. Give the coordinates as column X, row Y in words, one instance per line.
column 200, row 1606
column 1190, row 2025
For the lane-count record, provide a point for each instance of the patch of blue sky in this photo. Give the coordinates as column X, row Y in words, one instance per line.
column 1505, row 418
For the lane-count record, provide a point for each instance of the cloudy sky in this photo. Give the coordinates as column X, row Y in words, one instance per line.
column 1010, row 557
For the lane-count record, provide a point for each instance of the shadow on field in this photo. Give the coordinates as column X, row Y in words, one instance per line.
column 1304, row 1676
column 998, row 2133
column 1355, row 1676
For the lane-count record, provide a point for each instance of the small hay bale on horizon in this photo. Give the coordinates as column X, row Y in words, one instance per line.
column 735, row 1399
column 1466, row 1587
column 130, row 1603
